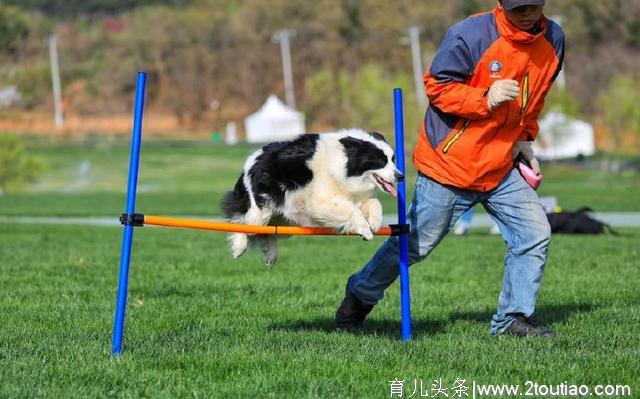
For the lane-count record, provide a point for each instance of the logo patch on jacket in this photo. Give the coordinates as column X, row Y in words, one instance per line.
column 495, row 67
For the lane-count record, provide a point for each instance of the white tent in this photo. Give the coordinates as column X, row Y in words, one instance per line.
column 274, row 121
column 563, row 137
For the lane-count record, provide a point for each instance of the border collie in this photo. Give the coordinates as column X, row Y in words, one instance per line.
column 319, row 180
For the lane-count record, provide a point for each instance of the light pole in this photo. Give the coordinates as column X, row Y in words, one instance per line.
column 414, row 37
column 55, row 81
column 283, row 37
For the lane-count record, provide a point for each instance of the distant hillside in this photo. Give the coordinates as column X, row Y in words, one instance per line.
column 214, row 61
column 73, row 8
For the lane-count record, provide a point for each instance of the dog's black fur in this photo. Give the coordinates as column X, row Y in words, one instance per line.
column 363, row 155
column 235, row 202
column 281, row 166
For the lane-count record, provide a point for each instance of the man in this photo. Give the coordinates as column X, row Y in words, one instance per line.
column 486, row 88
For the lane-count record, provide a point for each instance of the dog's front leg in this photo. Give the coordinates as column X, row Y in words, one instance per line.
column 341, row 214
column 372, row 210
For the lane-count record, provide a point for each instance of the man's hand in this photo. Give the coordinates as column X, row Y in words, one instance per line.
column 524, row 148
column 502, row 91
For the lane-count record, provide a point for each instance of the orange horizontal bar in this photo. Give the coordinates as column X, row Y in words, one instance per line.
column 247, row 228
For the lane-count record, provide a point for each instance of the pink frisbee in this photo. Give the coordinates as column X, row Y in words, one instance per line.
column 531, row 177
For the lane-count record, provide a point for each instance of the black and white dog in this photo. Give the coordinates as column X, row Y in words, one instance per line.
column 321, row 180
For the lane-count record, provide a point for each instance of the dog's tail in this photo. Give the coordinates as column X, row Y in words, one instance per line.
column 236, row 203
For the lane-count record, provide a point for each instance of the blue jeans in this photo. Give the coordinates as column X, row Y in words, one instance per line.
column 516, row 208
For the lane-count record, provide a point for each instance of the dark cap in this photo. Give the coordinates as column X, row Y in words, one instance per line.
column 511, row 4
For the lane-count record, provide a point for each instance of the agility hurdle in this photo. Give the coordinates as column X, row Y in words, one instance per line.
column 131, row 219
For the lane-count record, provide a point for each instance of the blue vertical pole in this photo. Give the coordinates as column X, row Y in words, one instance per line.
column 405, row 296
column 127, row 237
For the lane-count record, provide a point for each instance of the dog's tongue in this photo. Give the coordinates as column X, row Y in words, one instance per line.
column 389, row 187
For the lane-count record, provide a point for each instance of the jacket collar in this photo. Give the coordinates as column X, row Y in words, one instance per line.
column 511, row 33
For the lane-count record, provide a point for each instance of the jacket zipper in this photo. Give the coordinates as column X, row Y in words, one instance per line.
column 455, row 137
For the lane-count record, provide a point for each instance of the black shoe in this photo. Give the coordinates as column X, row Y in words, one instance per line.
column 527, row 327
column 351, row 313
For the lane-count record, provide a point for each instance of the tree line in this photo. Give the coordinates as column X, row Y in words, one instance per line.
column 210, row 61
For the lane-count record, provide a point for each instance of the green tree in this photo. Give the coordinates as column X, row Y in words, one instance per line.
column 73, row 8
column 619, row 104
column 16, row 168
column 13, row 29
column 560, row 99
column 33, row 82
column 365, row 99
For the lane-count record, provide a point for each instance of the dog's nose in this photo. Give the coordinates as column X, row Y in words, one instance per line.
column 399, row 176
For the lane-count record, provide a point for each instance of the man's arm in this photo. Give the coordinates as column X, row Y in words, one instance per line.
column 446, row 80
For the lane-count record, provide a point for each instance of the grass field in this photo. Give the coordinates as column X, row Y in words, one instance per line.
column 189, row 178
column 201, row 325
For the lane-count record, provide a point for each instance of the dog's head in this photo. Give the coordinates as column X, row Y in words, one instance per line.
column 370, row 162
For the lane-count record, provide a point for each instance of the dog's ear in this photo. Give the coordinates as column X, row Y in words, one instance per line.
column 377, row 136
column 362, row 156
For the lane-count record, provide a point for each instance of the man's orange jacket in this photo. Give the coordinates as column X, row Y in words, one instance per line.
column 462, row 143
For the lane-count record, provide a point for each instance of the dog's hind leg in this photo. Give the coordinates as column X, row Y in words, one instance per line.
column 268, row 243
column 270, row 250
column 240, row 241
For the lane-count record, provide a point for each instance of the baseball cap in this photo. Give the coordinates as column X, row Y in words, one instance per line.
column 511, row 4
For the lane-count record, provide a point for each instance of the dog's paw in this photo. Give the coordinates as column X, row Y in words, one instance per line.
column 364, row 231
column 270, row 262
column 360, row 226
column 367, row 235
column 238, row 244
column 270, row 255
column 269, row 250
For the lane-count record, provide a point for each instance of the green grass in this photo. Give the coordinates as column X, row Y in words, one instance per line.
column 174, row 178
column 187, row 178
column 201, row 325
column 601, row 190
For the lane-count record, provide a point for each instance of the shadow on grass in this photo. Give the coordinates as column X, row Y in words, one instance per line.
column 372, row 327
column 546, row 314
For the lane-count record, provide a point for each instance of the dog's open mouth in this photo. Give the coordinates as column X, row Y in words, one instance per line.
column 385, row 185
